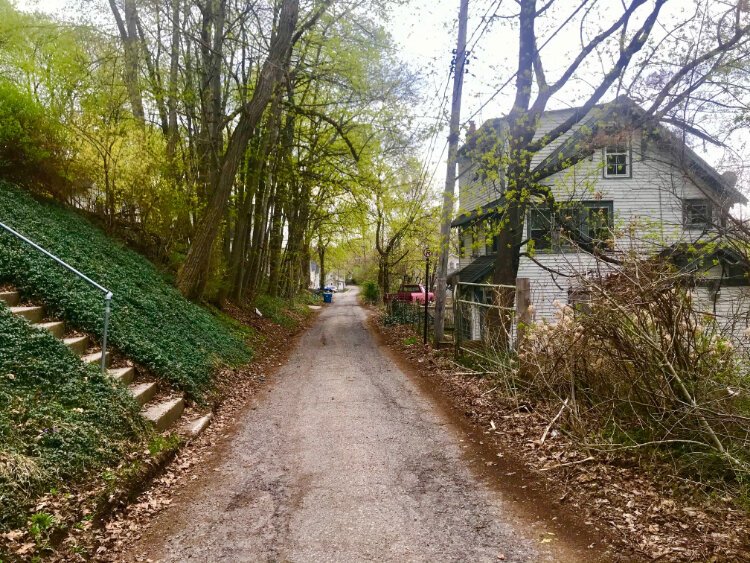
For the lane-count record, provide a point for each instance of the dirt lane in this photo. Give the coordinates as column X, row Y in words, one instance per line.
column 343, row 459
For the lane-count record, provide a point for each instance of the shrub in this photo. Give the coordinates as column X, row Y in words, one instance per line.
column 151, row 322
column 370, row 292
column 640, row 367
column 32, row 149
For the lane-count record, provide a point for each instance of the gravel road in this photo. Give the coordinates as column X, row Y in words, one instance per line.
column 343, row 458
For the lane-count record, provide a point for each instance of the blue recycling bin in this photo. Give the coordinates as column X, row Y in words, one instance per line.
column 328, row 297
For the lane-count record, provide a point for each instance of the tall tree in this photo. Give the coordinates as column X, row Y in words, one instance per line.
column 193, row 275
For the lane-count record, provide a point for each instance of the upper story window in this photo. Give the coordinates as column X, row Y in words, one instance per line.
column 617, row 161
column 696, row 213
column 586, row 222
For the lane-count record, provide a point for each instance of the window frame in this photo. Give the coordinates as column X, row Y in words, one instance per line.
column 628, row 152
column 495, row 244
column 557, row 242
column 686, row 203
column 548, row 246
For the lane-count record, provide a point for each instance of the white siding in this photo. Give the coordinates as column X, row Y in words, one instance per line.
column 648, row 212
column 731, row 309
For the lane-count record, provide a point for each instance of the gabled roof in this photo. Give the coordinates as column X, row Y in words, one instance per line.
column 583, row 141
column 477, row 270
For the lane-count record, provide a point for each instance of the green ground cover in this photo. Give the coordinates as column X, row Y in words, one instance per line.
column 59, row 418
column 151, row 322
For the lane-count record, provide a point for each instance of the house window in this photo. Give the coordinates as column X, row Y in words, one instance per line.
column 586, row 222
column 540, row 228
column 597, row 223
column 696, row 213
column 495, row 243
column 617, row 161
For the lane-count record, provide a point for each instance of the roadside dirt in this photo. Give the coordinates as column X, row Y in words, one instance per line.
column 344, row 458
column 633, row 514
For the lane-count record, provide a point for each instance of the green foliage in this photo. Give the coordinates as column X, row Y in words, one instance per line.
column 286, row 312
column 151, row 322
column 401, row 312
column 159, row 444
column 58, row 418
column 40, row 523
column 31, row 144
column 370, row 292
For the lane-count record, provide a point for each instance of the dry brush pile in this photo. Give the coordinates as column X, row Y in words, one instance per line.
column 638, row 366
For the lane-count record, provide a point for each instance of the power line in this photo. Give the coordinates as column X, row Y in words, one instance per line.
column 494, row 6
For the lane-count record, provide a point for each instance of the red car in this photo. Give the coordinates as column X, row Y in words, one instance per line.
column 413, row 293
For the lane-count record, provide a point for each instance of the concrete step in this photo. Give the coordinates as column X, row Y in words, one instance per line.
column 194, row 428
column 57, row 328
column 164, row 414
column 143, row 392
column 77, row 344
column 123, row 375
column 10, row 298
column 32, row 314
column 96, row 358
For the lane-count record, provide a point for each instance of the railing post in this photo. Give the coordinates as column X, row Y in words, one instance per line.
column 107, row 310
column 458, row 325
column 523, row 300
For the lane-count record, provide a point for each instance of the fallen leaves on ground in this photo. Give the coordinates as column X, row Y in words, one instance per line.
column 112, row 534
column 642, row 513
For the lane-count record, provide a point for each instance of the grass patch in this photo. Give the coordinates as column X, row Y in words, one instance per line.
column 286, row 312
column 58, row 419
column 151, row 322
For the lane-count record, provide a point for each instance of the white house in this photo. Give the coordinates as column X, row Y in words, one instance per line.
column 633, row 187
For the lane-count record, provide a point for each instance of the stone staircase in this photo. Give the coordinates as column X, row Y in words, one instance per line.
column 162, row 410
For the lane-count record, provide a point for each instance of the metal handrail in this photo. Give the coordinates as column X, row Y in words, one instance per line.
column 107, row 293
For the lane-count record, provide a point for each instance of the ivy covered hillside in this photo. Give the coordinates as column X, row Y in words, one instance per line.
column 58, row 417
column 151, row 322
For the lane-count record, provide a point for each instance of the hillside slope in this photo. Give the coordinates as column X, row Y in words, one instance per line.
column 58, row 417
column 151, row 322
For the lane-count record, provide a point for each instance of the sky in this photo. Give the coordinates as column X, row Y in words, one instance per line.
column 425, row 33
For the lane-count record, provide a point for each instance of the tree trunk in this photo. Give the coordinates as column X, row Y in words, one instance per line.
column 192, row 277
column 174, row 58
column 129, row 35
column 322, row 259
column 275, row 241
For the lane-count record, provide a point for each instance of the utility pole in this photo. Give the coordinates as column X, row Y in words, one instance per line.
column 450, row 176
